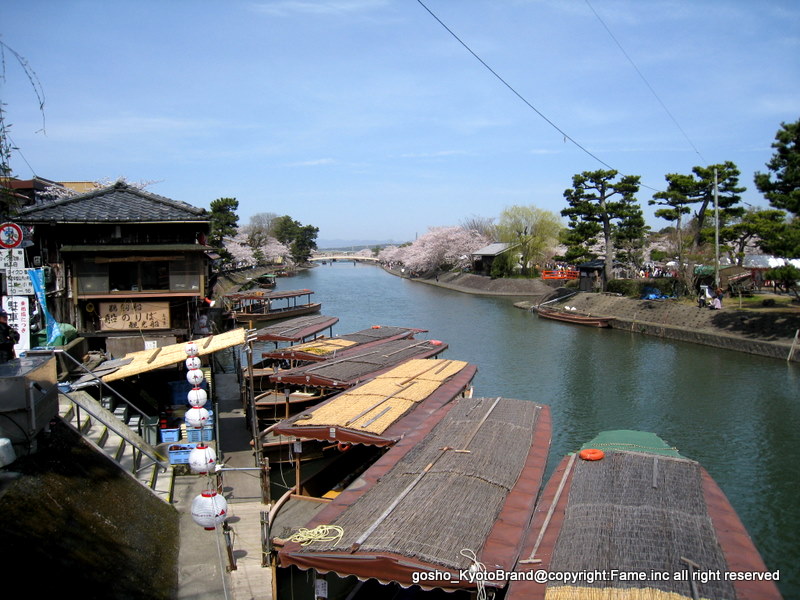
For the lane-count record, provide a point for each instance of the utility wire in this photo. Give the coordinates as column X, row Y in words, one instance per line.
column 515, row 92
column 647, row 83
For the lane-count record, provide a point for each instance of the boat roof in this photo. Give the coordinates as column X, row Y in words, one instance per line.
column 322, row 348
column 142, row 361
column 295, row 330
column 264, row 295
column 359, row 363
column 642, row 508
column 380, row 411
column 462, row 482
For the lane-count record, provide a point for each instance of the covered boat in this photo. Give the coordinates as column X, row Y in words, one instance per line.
column 455, row 493
column 250, row 308
column 324, row 348
column 296, row 330
column 629, row 517
column 359, row 363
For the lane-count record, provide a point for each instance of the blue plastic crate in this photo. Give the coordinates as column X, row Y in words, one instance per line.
column 179, row 453
column 194, row 434
column 170, row 435
column 208, row 434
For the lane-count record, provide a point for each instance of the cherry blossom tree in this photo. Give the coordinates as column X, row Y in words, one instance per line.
column 442, row 248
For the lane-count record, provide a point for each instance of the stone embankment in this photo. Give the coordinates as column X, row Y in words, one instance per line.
column 769, row 332
column 766, row 332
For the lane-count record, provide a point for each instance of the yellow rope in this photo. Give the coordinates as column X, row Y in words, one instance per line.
column 323, row 533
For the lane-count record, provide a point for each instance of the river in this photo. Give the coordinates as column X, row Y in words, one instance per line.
column 738, row 415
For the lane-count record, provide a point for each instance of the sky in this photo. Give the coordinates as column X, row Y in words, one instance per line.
column 371, row 121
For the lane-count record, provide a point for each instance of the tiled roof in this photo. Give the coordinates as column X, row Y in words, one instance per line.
column 118, row 203
column 491, row 249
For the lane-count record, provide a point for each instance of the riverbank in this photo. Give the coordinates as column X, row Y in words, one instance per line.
column 765, row 332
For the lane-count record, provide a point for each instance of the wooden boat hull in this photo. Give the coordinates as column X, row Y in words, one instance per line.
column 570, row 317
column 252, row 318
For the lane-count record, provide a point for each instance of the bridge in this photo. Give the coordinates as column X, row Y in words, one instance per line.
column 341, row 256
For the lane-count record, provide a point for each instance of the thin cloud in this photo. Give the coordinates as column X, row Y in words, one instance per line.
column 338, row 7
column 312, row 163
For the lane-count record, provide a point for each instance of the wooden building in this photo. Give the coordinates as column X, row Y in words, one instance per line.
column 128, row 268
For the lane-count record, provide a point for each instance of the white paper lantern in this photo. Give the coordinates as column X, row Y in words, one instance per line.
column 195, row 377
column 191, row 349
column 197, row 397
column 202, row 459
column 193, row 362
column 196, row 416
column 209, row 509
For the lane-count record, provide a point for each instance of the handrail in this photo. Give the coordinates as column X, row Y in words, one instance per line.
column 560, row 274
column 129, row 436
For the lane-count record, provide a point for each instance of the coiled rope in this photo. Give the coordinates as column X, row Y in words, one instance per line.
column 476, row 567
column 322, row 533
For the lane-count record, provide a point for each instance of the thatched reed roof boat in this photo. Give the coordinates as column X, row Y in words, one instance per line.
column 249, row 308
column 359, row 363
column 296, row 330
column 373, row 412
column 461, row 483
column 568, row 316
column 323, row 348
column 645, row 522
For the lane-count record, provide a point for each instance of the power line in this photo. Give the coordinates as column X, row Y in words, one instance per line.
column 520, row 96
column 647, row 83
column 515, row 92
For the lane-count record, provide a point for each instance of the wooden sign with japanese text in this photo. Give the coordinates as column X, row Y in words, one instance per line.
column 133, row 315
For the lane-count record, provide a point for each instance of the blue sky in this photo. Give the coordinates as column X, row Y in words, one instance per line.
column 369, row 120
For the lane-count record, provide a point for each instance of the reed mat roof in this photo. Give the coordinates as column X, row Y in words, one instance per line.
column 446, row 492
column 322, row 346
column 375, row 405
column 638, row 512
column 147, row 360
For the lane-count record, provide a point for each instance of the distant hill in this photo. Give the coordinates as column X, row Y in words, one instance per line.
column 353, row 244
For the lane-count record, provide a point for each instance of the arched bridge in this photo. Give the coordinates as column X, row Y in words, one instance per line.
column 343, row 257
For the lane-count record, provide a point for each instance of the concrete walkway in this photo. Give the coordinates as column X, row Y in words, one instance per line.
column 205, row 572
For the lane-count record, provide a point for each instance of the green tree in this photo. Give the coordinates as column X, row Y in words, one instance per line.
column 304, row 243
column 598, row 205
column 728, row 197
column 782, row 188
column 223, row 223
column 787, row 277
column 675, row 200
column 531, row 231
column 301, row 239
column 755, row 225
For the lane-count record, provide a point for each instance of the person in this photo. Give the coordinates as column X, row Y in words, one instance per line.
column 8, row 337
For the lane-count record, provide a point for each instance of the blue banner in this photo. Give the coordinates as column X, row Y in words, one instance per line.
column 53, row 329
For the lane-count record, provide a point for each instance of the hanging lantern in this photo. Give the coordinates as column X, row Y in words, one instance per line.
column 196, row 416
column 191, row 349
column 193, row 362
column 202, row 459
column 209, row 509
column 197, row 397
column 195, row 377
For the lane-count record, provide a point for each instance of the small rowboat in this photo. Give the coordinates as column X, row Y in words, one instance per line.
column 572, row 317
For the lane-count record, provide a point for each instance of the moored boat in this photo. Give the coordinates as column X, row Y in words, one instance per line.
column 251, row 308
column 568, row 316
column 452, row 495
column 629, row 517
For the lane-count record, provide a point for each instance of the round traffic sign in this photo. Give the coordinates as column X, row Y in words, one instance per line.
column 10, row 235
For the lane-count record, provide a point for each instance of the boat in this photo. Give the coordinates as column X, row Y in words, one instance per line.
column 359, row 363
column 452, row 495
column 644, row 522
column 296, row 330
column 323, row 348
column 250, row 308
column 567, row 316
column 358, row 425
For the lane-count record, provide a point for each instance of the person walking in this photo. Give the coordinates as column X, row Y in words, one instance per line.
column 8, row 337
